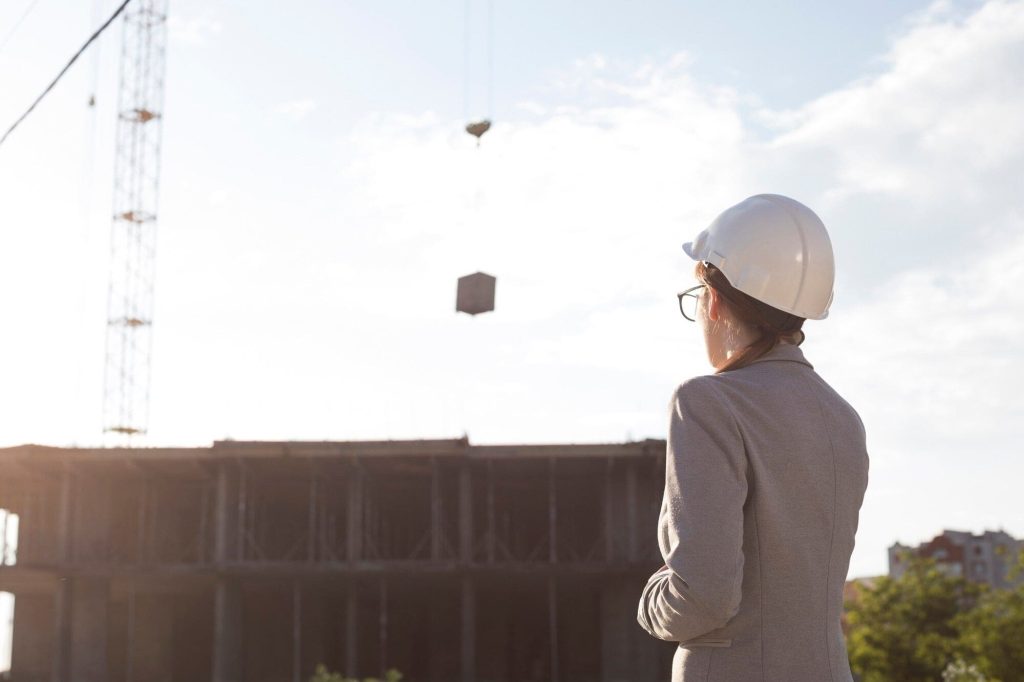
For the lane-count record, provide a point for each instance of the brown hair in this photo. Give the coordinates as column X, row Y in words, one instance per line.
column 772, row 323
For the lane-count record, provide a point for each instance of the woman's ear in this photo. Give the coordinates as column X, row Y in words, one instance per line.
column 714, row 304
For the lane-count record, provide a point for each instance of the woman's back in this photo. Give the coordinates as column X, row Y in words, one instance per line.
column 765, row 476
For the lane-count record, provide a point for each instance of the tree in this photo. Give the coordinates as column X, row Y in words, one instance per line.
column 992, row 633
column 907, row 628
column 959, row 671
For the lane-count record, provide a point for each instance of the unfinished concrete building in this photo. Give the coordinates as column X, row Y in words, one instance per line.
column 256, row 561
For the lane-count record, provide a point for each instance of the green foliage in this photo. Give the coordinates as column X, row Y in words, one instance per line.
column 930, row 626
column 959, row 671
column 993, row 634
column 324, row 675
column 906, row 629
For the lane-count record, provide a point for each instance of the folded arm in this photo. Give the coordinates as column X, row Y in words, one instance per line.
column 698, row 589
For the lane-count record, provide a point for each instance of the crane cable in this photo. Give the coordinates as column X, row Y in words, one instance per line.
column 67, row 66
column 490, row 58
column 86, row 204
column 479, row 127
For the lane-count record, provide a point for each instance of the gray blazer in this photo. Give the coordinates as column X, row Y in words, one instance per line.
column 764, row 477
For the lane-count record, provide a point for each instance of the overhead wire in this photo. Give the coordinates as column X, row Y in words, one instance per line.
column 67, row 66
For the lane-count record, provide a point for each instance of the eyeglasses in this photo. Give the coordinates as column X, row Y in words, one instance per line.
column 688, row 302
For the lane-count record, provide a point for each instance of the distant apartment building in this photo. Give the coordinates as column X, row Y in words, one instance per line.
column 984, row 558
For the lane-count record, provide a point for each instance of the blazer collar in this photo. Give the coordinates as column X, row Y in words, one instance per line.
column 789, row 352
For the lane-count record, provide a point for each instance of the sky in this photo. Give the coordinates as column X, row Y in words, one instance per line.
column 319, row 199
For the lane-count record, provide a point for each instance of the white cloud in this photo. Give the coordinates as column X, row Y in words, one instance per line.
column 297, row 109
column 580, row 213
column 196, row 30
column 933, row 363
column 326, row 311
column 949, row 100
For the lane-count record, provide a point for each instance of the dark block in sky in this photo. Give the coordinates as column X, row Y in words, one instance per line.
column 475, row 293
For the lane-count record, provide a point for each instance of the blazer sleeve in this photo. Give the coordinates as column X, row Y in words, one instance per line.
column 701, row 522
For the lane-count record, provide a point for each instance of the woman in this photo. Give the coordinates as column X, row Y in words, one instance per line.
column 766, row 465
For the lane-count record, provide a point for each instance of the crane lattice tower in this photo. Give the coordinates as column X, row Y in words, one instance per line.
column 133, row 232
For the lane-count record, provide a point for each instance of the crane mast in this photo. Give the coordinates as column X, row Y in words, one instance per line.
column 133, row 229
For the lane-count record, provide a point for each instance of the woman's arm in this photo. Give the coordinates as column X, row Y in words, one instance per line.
column 698, row 590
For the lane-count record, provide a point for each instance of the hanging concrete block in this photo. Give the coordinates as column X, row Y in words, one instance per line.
column 475, row 293
column 477, row 129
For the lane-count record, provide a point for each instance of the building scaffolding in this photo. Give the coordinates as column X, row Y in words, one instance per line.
column 256, row 561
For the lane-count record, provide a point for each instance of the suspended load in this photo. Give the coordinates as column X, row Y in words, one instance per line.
column 478, row 128
column 475, row 293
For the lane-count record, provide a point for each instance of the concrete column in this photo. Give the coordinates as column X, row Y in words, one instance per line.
column 620, row 523
column 296, row 632
column 631, row 510
column 311, row 547
column 314, row 607
column 351, row 630
column 32, row 646
column 490, row 512
column 152, row 656
column 62, row 596
column 88, row 646
column 90, row 519
column 552, row 512
column 26, row 520
column 241, row 515
column 228, row 514
column 225, row 515
column 227, row 631
column 608, row 517
column 465, row 515
column 468, row 630
column 553, row 626
column 204, row 555
column 436, row 522
column 383, row 612
column 354, row 546
column 628, row 654
column 3, row 538
column 64, row 503
column 61, row 630
column 80, row 638
column 618, row 617
column 143, row 537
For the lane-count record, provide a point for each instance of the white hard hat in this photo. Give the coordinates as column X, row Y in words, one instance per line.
column 773, row 249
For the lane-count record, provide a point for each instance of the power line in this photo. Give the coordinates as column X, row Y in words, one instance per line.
column 67, row 66
column 14, row 29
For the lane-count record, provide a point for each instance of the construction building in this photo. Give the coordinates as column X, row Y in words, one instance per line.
column 256, row 561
